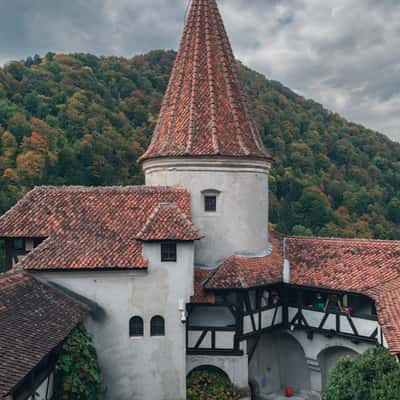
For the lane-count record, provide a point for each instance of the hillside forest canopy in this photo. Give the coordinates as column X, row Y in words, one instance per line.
column 77, row 119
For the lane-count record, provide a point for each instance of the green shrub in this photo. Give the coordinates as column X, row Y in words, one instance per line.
column 77, row 370
column 210, row 385
column 374, row 375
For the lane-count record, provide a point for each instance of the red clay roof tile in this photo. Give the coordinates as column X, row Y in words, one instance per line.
column 245, row 272
column 200, row 294
column 168, row 222
column 369, row 267
column 34, row 319
column 205, row 110
column 97, row 227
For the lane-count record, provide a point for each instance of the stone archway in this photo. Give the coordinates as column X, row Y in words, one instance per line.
column 278, row 362
column 328, row 359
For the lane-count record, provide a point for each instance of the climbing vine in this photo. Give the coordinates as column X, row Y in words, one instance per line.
column 78, row 372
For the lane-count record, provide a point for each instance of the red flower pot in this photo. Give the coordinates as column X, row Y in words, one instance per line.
column 289, row 392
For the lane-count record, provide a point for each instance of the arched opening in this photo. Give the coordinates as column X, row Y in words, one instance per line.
column 157, row 326
column 328, row 359
column 278, row 362
column 136, row 327
column 211, row 369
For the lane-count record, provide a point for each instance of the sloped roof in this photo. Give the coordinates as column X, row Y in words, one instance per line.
column 85, row 251
column 201, row 276
column 97, row 227
column 369, row 267
column 168, row 222
column 205, row 110
column 244, row 272
column 34, row 319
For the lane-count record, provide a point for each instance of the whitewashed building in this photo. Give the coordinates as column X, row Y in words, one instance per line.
column 183, row 270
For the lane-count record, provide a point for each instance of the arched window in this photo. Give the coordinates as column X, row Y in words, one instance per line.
column 157, row 326
column 136, row 327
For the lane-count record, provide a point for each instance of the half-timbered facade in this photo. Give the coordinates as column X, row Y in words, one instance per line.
column 184, row 269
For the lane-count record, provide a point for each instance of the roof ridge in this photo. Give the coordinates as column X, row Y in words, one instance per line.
column 228, row 83
column 339, row 239
column 191, row 127
column 214, row 131
column 118, row 188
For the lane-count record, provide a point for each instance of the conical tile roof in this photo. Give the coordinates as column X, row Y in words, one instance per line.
column 205, row 110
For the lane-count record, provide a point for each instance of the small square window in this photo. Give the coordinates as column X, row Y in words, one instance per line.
column 210, row 203
column 19, row 244
column 168, row 252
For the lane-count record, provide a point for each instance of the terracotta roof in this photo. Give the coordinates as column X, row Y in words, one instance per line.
column 97, row 227
column 200, row 294
column 34, row 319
column 85, row 251
column 245, row 272
column 168, row 222
column 205, row 110
column 369, row 267
column 343, row 264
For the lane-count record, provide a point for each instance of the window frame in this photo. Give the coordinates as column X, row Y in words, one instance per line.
column 169, row 251
column 157, row 330
column 210, row 203
column 136, row 331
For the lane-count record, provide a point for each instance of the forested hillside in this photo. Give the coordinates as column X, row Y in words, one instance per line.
column 79, row 119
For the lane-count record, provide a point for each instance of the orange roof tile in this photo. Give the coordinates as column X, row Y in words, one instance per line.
column 369, row 267
column 97, row 227
column 244, row 272
column 168, row 222
column 205, row 111
column 34, row 319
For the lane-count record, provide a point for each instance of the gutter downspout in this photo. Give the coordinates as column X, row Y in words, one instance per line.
column 286, row 264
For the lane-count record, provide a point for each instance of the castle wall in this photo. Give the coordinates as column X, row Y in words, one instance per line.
column 240, row 223
column 151, row 368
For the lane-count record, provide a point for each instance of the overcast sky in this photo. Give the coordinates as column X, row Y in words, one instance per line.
column 342, row 53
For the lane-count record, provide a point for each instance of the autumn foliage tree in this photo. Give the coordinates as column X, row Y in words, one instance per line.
column 80, row 119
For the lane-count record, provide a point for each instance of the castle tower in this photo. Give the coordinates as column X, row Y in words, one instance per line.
column 206, row 141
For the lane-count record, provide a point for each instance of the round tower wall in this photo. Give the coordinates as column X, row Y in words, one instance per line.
column 240, row 186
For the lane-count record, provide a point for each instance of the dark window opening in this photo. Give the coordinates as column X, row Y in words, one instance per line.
column 136, row 327
column 210, row 203
column 157, row 326
column 168, row 251
column 19, row 244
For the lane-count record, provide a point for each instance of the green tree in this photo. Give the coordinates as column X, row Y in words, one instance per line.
column 374, row 375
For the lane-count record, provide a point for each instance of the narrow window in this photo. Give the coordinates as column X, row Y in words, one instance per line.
column 136, row 327
column 210, row 203
column 168, row 252
column 157, row 326
column 19, row 244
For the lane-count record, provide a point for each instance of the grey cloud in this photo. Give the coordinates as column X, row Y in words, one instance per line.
column 343, row 53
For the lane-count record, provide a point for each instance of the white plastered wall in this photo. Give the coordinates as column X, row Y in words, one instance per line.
column 240, row 224
column 151, row 368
